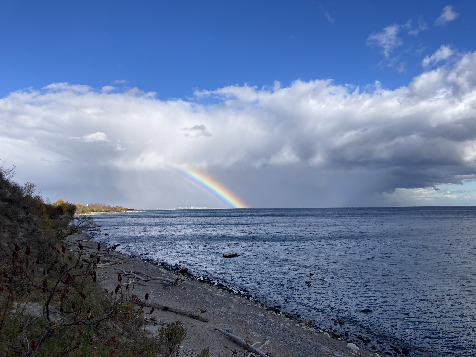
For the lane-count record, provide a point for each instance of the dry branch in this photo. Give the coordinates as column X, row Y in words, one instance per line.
column 149, row 278
column 170, row 309
column 240, row 342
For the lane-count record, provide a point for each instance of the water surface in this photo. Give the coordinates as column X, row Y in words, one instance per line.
column 398, row 276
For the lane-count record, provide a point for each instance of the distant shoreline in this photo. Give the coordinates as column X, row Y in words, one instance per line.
column 97, row 213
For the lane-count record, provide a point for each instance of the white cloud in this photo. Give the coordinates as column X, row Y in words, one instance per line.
column 443, row 53
column 107, row 88
column 119, row 147
column 97, row 136
column 137, row 92
column 329, row 18
column 119, row 81
column 64, row 86
column 387, row 39
column 445, row 195
column 422, row 25
column 311, row 143
column 447, row 15
column 401, row 67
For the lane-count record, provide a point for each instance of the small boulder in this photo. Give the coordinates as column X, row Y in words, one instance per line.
column 352, row 346
column 230, row 255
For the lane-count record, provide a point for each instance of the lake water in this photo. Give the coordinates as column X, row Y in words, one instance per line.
column 397, row 276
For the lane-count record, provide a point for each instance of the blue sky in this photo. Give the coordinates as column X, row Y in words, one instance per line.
column 173, row 47
column 288, row 103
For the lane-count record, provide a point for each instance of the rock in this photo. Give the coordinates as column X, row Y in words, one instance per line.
column 405, row 351
column 352, row 347
column 308, row 283
column 395, row 349
column 366, row 311
column 230, row 255
column 363, row 339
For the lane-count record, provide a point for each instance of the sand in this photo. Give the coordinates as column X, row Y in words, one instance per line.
column 274, row 334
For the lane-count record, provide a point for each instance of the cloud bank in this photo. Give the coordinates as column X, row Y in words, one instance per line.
column 312, row 144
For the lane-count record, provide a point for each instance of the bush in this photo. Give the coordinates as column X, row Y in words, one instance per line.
column 50, row 302
column 170, row 337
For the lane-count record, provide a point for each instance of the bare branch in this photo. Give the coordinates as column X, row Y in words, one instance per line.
column 149, row 278
column 171, row 309
column 93, row 322
column 48, row 333
column 41, row 287
column 59, row 283
column 240, row 342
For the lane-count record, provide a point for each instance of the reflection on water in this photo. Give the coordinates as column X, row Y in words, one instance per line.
column 400, row 276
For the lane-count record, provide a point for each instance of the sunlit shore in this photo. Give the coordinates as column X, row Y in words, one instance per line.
column 206, row 309
column 97, row 213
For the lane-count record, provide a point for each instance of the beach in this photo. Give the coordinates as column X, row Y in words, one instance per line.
column 205, row 309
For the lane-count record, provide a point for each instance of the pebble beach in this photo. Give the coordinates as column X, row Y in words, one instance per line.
column 211, row 315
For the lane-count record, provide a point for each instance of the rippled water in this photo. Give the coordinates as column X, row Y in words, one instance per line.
column 411, row 270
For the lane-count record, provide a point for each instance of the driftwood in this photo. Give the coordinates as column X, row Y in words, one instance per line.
column 240, row 342
column 170, row 309
column 108, row 263
column 149, row 278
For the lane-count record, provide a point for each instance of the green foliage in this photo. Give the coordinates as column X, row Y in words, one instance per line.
column 97, row 207
column 170, row 337
column 65, row 207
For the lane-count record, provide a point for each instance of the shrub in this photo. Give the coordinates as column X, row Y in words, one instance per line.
column 50, row 302
column 170, row 337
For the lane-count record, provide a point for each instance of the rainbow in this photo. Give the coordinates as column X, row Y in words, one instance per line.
column 212, row 186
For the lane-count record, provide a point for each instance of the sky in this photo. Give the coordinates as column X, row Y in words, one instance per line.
column 279, row 103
